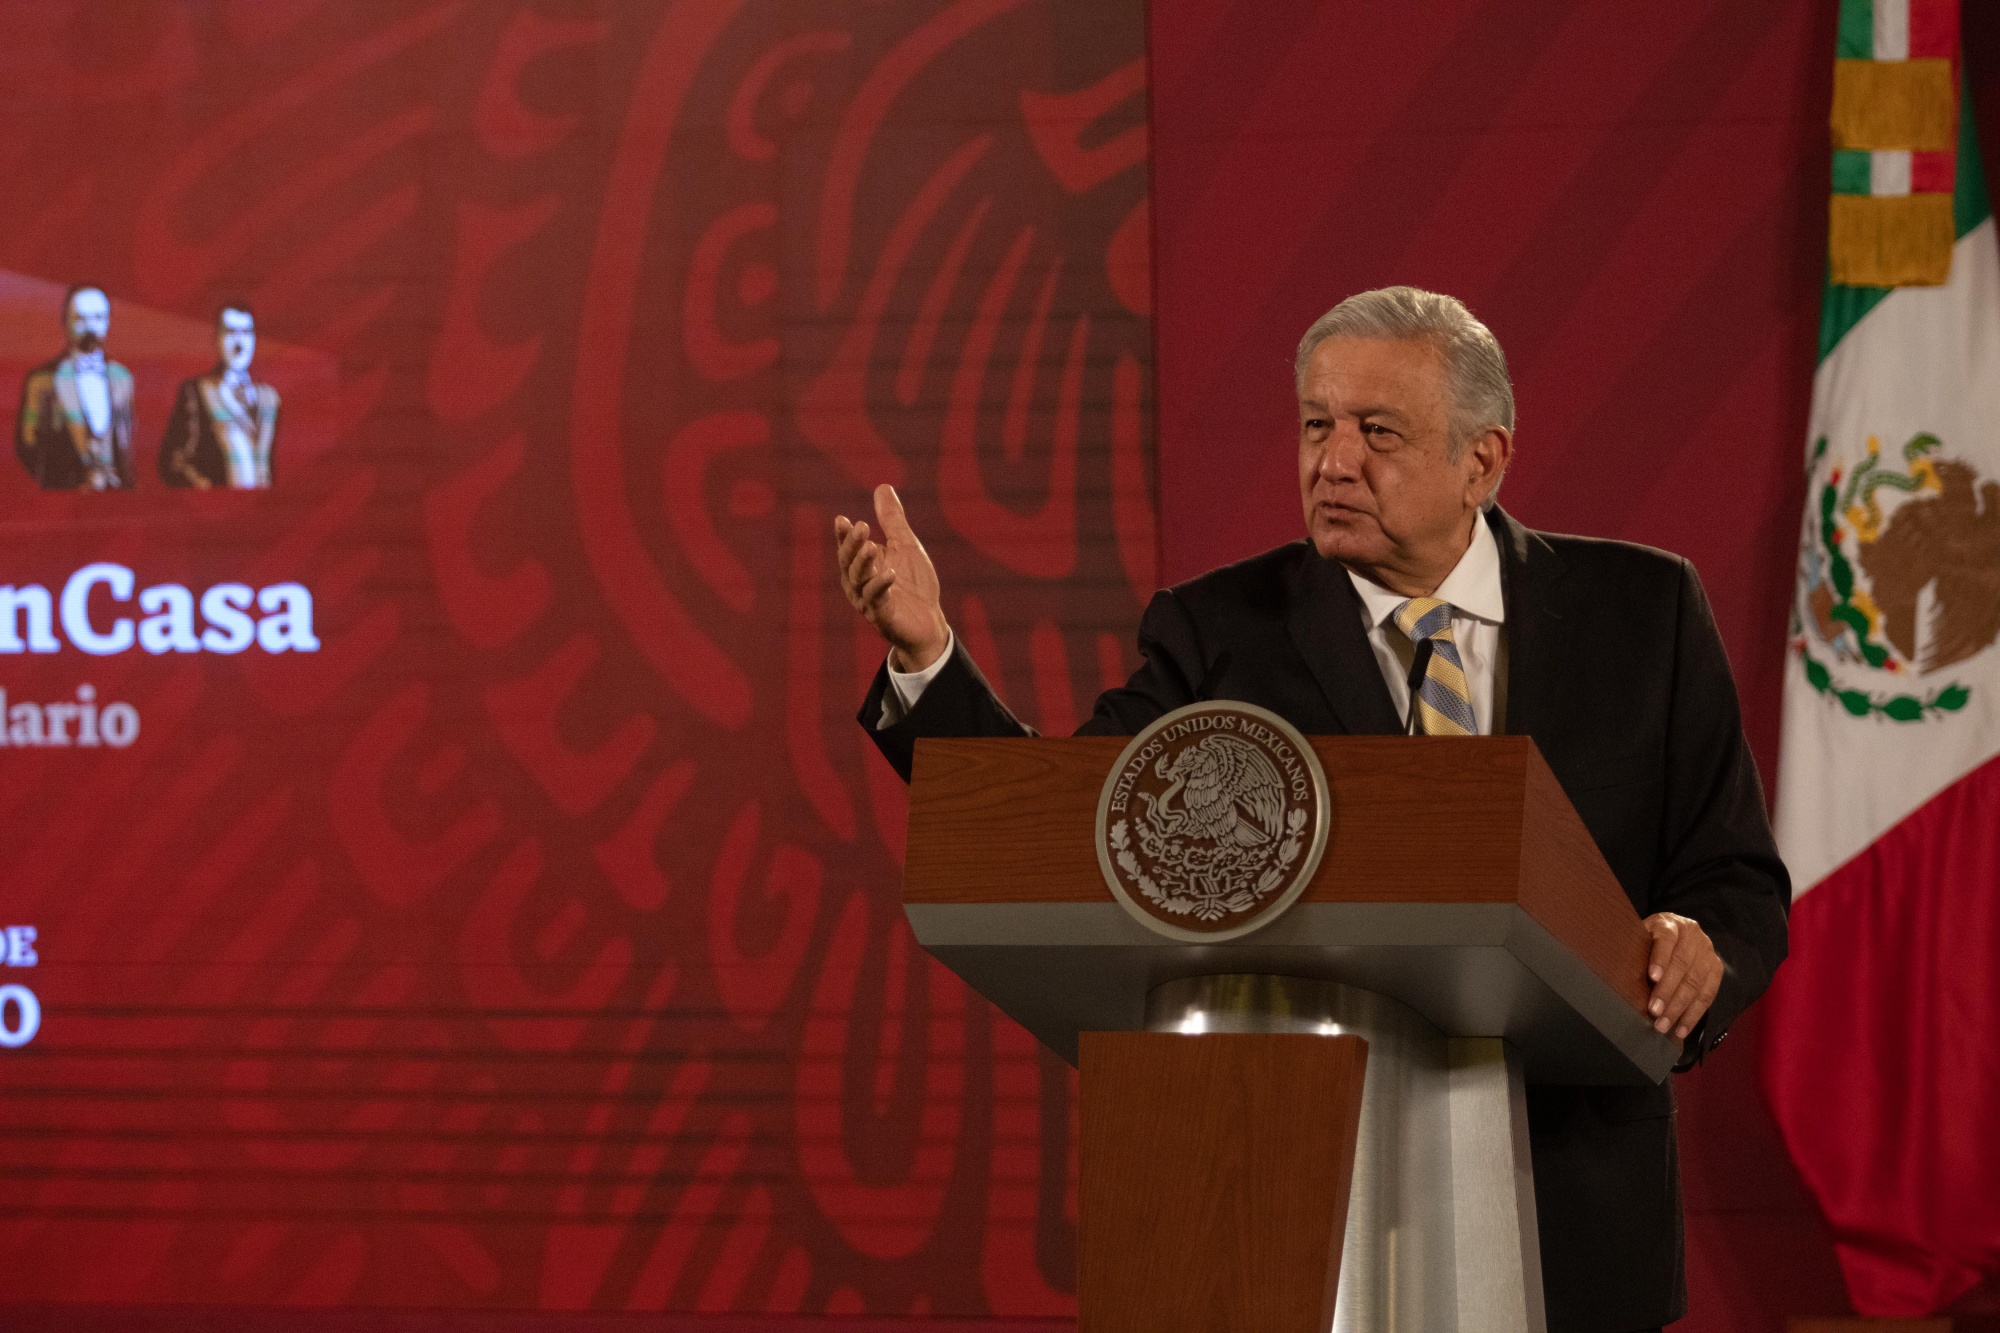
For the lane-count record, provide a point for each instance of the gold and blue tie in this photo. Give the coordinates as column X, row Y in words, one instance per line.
column 1443, row 706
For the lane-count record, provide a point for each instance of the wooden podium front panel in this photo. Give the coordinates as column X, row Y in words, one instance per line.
column 1458, row 879
column 1013, row 821
column 1215, row 1175
column 1008, row 820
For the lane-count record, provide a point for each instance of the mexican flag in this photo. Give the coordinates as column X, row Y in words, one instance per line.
column 1882, row 1061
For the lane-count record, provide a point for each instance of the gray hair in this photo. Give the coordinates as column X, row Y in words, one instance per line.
column 1474, row 365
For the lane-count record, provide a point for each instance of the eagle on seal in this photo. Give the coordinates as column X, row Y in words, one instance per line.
column 1228, row 791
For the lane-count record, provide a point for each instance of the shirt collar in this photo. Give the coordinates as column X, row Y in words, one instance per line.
column 88, row 363
column 1472, row 587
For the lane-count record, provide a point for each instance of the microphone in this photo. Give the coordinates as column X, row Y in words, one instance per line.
column 1419, row 664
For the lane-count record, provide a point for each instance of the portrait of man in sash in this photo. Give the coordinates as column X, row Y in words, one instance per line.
column 224, row 424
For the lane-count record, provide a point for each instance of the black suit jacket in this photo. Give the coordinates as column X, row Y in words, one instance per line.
column 1615, row 667
column 50, row 435
column 191, row 452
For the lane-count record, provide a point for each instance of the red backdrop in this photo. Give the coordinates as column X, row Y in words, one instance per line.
column 535, row 943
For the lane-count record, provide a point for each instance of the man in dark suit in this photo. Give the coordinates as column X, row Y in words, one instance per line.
column 1604, row 652
column 74, row 430
column 225, row 424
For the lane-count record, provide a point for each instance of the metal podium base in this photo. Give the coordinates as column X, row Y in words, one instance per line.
column 1441, row 1217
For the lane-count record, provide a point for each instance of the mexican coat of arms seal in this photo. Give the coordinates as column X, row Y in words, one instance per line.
column 1900, row 578
column 1212, row 821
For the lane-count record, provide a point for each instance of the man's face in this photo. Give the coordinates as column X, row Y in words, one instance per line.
column 88, row 319
column 1374, row 428
column 236, row 338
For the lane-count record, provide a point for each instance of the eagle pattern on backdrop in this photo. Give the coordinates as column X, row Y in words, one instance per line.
column 535, row 942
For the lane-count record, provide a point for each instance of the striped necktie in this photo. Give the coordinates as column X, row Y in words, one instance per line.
column 1443, row 702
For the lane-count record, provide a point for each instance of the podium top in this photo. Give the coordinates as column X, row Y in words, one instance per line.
column 1457, row 878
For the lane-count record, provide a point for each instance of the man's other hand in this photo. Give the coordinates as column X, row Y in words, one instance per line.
column 1685, row 971
column 893, row 584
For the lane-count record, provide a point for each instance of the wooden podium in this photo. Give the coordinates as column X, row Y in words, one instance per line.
column 1461, row 936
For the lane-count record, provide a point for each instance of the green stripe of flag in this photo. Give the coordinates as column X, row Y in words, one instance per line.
column 1969, row 205
column 1857, row 30
column 1851, row 171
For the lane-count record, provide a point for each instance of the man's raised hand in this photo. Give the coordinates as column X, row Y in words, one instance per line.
column 893, row 584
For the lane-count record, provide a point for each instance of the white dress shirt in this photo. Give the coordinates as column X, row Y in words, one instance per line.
column 1478, row 609
column 238, row 435
column 93, row 392
column 906, row 687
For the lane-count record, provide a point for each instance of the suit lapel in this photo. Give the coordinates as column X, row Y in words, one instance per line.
column 1529, row 572
column 72, row 406
column 267, row 426
column 1325, row 624
column 221, row 406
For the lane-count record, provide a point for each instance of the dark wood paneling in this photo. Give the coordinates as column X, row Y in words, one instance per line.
column 1215, row 1175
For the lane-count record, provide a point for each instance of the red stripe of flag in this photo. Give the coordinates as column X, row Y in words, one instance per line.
column 1932, row 173
column 1934, row 29
column 1880, row 1064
